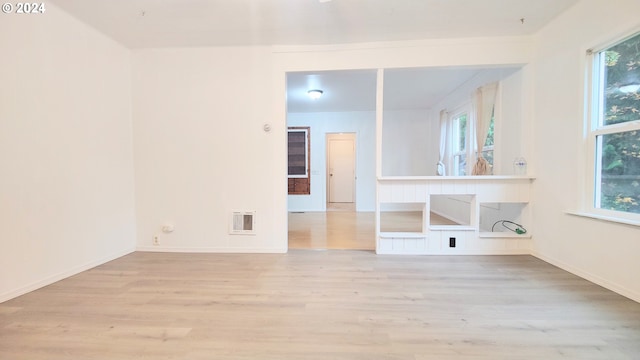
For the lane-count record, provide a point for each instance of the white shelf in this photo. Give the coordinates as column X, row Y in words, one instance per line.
column 405, row 235
column 496, row 234
column 452, row 227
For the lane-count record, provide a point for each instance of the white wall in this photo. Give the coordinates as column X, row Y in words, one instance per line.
column 201, row 152
column 512, row 136
column 363, row 124
column 66, row 189
column 606, row 253
column 408, row 148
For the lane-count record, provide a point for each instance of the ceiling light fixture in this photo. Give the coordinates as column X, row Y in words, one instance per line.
column 315, row 94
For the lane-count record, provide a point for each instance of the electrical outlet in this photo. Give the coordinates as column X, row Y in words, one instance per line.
column 452, row 242
column 156, row 240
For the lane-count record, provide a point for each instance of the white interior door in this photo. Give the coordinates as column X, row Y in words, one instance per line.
column 341, row 167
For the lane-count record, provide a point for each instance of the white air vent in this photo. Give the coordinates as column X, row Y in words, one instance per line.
column 243, row 223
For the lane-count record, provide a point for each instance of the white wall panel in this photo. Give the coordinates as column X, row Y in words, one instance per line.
column 201, row 151
column 67, row 183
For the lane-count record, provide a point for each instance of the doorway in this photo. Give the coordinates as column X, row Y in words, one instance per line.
column 343, row 123
column 341, row 171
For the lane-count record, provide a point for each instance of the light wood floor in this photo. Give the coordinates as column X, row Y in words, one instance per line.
column 332, row 230
column 343, row 229
column 320, row 305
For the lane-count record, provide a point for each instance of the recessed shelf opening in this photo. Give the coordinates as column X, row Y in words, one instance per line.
column 502, row 218
column 451, row 210
column 401, row 217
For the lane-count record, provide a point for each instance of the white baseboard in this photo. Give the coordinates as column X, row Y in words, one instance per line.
column 60, row 276
column 455, row 253
column 213, row 250
column 590, row 277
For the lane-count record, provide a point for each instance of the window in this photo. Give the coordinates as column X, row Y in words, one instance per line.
column 459, row 144
column 487, row 149
column 463, row 141
column 298, row 161
column 614, row 135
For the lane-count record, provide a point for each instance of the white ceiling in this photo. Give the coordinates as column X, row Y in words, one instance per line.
column 185, row 23
column 350, row 90
column 191, row 23
column 416, row 88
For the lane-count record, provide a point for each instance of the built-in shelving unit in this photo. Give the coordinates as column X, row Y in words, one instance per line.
column 475, row 197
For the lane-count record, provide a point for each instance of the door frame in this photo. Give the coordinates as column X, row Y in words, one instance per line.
column 354, row 137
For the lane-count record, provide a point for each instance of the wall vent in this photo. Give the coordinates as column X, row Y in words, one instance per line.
column 243, row 223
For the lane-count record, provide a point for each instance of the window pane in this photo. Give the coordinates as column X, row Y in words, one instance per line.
column 461, row 125
column 619, row 178
column 621, row 96
column 489, row 140
column 488, row 155
column 297, row 152
column 460, row 164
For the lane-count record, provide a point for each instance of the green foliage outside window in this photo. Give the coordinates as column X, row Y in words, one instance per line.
column 488, row 154
column 620, row 159
column 462, row 132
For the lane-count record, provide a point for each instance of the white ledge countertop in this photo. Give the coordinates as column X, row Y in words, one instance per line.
column 600, row 217
column 456, row 178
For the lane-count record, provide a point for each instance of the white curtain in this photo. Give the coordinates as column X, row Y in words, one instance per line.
column 484, row 100
column 441, row 169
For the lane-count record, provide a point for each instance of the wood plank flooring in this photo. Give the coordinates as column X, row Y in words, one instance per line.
column 332, row 230
column 320, row 305
column 338, row 229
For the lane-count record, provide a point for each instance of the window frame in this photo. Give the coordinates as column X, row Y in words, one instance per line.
column 595, row 129
column 454, row 136
column 299, row 184
column 305, row 147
